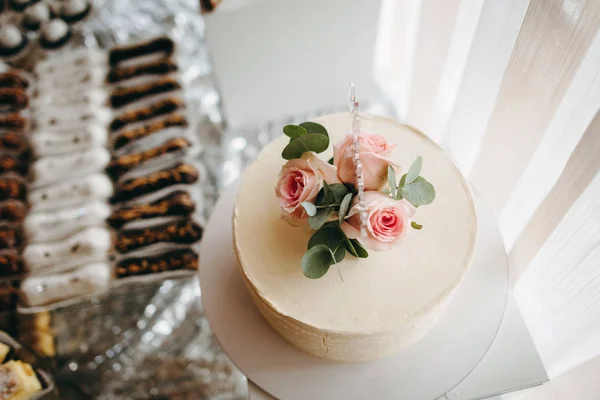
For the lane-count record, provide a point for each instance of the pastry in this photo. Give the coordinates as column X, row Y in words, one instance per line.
column 18, row 380
column 54, row 34
column 51, row 169
column 12, row 211
column 13, row 99
column 15, row 143
column 126, row 95
column 45, row 226
column 128, row 136
column 174, row 204
column 91, row 244
column 12, row 121
column 12, row 187
column 175, row 260
column 69, row 193
column 13, row 79
column 78, row 117
column 11, row 263
column 36, row 15
column 181, row 173
column 158, row 45
column 160, row 107
column 208, row 5
column 180, row 232
column 47, row 289
column 11, row 163
column 94, row 97
column 53, row 143
column 12, row 41
column 72, row 11
column 375, row 306
column 20, row 5
column 11, row 236
column 157, row 67
column 4, row 350
column 121, row 165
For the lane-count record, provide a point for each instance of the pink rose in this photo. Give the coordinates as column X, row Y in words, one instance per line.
column 374, row 156
column 387, row 221
column 300, row 180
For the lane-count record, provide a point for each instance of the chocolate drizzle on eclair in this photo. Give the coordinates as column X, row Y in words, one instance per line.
column 13, row 99
column 176, row 260
column 179, row 232
column 12, row 121
column 163, row 44
column 12, row 79
column 181, row 173
column 160, row 107
column 15, row 143
column 126, row 95
column 159, row 67
column 11, row 263
column 13, row 211
column 176, row 204
column 13, row 188
column 126, row 137
column 12, row 163
column 11, row 237
column 121, row 165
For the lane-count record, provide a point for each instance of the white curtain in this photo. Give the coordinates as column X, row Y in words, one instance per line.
column 512, row 90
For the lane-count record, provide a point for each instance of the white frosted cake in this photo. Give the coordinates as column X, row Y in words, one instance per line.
column 358, row 308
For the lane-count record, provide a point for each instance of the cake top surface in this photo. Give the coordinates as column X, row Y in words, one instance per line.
column 366, row 295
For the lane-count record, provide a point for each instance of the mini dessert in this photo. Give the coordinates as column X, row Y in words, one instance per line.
column 13, row 99
column 72, row 11
column 12, row 211
column 20, row 5
column 180, row 232
column 13, row 79
column 48, row 289
column 12, row 187
column 78, row 117
column 11, row 237
column 125, row 137
column 11, row 163
column 181, row 173
column 175, row 260
column 159, row 45
column 126, row 95
column 121, row 165
column 91, row 244
column 70, row 193
column 18, row 380
column 52, row 169
column 12, row 121
column 15, row 143
column 54, row 34
column 158, row 67
column 174, row 204
column 94, row 97
column 36, row 15
column 53, row 143
column 160, row 107
column 46, row 226
column 4, row 350
column 12, row 41
column 11, row 263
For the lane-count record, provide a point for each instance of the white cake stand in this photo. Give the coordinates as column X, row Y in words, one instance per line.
column 426, row 370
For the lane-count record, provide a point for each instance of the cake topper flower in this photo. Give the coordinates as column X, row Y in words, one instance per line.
column 325, row 195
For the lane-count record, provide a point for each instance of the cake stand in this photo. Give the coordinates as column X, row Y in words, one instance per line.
column 426, row 370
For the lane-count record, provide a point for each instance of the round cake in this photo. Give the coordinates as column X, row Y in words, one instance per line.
column 361, row 308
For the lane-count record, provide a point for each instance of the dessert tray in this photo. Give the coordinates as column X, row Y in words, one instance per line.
column 427, row 370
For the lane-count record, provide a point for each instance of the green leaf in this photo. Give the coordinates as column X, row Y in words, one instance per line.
column 316, row 261
column 360, row 250
column 419, row 192
column 398, row 194
column 294, row 131
column 310, row 208
column 416, row 225
column 344, row 206
column 310, row 142
column 414, row 170
column 331, row 236
column 350, row 246
column 320, row 218
column 330, row 161
column 392, row 180
column 351, row 188
column 337, row 193
column 313, row 127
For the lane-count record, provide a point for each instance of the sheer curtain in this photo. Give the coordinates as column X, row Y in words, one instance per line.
column 512, row 90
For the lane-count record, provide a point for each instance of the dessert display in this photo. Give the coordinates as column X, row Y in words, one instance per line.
column 337, row 255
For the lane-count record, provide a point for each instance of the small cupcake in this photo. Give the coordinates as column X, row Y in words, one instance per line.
column 73, row 11
column 54, row 34
column 20, row 5
column 35, row 16
column 12, row 41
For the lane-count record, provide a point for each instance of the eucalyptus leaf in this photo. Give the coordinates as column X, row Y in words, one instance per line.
column 350, row 246
column 331, row 236
column 316, row 261
column 351, row 188
column 414, row 170
column 360, row 250
column 320, row 218
column 337, row 192
column 294, row 131
column 419, row 192
column 313, row 127
column 392, row 179
column 310, row 142
column 330, row 161
column 344, row 206
column 310, row 208
column 415, row 225
column 398, row 194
